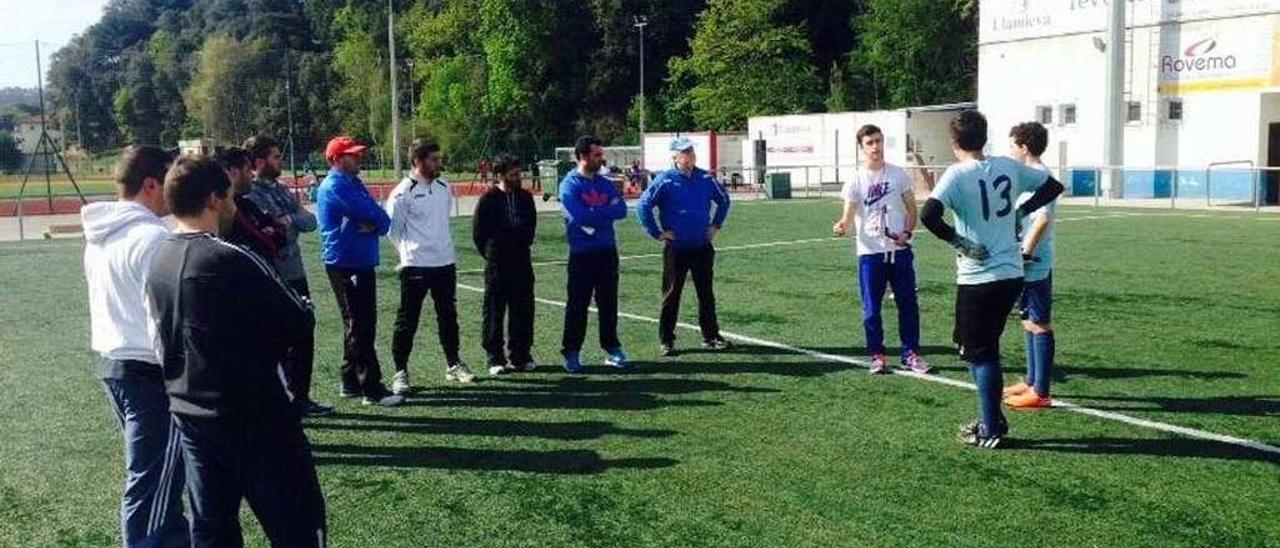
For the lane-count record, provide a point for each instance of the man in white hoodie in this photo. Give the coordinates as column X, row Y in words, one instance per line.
column 122, row 237
column 419, row 209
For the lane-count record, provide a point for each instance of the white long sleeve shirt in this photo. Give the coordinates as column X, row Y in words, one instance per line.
column 420, row 229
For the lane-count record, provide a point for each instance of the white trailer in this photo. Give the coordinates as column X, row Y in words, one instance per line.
column 819, row 149
column 719, row 153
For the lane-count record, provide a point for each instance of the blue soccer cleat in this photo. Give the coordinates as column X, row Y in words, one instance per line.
column 617, row 359
column 572, row 364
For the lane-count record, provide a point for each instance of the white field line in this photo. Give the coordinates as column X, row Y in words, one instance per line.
column 659, row 255
column 784, row 243
column 1117, row 215
column 1097, row 413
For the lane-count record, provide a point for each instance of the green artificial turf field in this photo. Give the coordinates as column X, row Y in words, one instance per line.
column 1165, row 317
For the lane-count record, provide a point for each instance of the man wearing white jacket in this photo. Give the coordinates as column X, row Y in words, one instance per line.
column 419, row 209
column 122, row 237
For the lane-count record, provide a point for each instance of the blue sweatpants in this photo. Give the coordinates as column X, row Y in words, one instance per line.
column 263, row 457
column 151, row 508
column 896, row 270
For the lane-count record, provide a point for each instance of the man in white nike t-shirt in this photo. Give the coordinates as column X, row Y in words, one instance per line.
column 881, row 206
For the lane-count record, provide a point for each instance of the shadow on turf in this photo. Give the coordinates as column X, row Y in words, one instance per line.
column 1261, row 406
column 566, row 462
column 680, row 366
column 859, row 352
column 584, row 430
column 1068, row 371
column 1173, row 447
column 613, row 384
column 623, row 401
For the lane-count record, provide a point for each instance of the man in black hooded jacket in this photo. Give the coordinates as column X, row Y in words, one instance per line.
column 503, row 229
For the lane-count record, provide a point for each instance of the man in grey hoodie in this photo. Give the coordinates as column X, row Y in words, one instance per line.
column 276, row 200
column 122, row 237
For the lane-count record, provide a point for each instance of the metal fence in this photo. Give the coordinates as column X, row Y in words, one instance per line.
column 1221, row 184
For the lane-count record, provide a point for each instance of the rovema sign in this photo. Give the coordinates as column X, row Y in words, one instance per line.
column 1198, row 57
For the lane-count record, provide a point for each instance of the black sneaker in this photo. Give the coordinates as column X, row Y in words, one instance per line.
column 382, row 398
column 524, row 363
column 349, row 391
column 975, row 434
column 313, row 409
column 667, row 350
column 717, row 343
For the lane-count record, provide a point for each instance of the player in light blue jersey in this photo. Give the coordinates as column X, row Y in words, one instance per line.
column 1026, row 143
column 981, row 194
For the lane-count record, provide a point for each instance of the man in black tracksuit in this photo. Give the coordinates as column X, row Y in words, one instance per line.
column 224, row 320
column 503, row 228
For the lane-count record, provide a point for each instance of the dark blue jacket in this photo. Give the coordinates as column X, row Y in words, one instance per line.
column 684, row 207
column 590, row 207
column 342, row 205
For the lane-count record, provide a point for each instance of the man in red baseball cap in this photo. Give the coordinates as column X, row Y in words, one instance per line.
column 339, row 147
column 350, row 224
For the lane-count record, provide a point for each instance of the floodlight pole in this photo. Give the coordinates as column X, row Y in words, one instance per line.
column 641, row 23
column 413, row 112
column 1113, row 114
column 288, row 106
column 395, row 102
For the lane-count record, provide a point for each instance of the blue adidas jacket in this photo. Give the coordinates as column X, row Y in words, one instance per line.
column 590, row 208
column 342, row 205
column 684, row 207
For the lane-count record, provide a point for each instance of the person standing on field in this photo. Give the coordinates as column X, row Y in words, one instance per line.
column 121, row 240
column 683, row 197
column 276, row 200
column 880, row 207
column 350, row 224
column 420, row 208
column 504, row 227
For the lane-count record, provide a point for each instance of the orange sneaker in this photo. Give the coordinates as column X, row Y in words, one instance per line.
column 1017, row 389
column 1028, row 400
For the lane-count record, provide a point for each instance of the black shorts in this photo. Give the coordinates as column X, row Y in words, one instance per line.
column 981, row 313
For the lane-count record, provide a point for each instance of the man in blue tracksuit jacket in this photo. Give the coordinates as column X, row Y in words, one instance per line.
column 591, row 204
column 350, row 224
column 683, row 197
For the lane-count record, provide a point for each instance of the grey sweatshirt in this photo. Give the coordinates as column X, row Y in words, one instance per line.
column 276, row 200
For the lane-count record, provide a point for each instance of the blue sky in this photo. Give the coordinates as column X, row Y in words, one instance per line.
column 52, row 22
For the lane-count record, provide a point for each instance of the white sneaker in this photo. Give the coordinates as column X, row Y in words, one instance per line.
column 400, row 385
column 389, row 400
column 459, row 372
column 495, row 370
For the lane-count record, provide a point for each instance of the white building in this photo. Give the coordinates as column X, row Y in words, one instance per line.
column 26, row 133
column 196, row 146
column 1202, row 87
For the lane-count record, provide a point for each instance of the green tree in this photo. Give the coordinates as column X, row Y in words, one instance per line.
column 915, row 52
column 449, row 77
column 743, row 63
column 172, row 75
column 135, row 105
column 362, row 102
column 222, row 94
column 81, row 86
column 837, row 90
